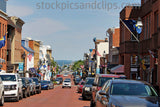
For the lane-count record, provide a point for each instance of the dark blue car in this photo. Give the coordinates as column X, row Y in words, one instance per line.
column 44, row 85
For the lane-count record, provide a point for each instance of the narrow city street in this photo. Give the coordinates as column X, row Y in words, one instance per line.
column 57, row 97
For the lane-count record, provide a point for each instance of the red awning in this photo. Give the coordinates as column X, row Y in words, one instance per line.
column 118, row 69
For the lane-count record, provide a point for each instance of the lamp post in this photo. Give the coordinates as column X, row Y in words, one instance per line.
column 104, row 62
column 139, row 25
column 23, row 56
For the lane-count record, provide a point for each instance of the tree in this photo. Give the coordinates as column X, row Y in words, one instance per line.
column 77, row 65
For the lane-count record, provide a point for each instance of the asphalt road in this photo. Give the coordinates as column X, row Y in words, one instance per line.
column 57, row 97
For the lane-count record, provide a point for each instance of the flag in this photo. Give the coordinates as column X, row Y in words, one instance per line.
column 152, row 53
column 132, row 25
column 98, row 54
column 90, row 50
column 137, row 28
column 2, row 41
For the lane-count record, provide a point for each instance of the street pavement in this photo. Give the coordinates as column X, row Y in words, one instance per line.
column 57, row 97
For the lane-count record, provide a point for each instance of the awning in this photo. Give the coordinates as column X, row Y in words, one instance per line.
column 33, row 70
column 118, row 69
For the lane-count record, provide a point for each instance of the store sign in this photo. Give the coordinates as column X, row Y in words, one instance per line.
column 20, row 67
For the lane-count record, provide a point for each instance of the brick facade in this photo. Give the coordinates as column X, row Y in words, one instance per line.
column 34, row 45
column 3, row 31
column 149, row 42
column 114, row 40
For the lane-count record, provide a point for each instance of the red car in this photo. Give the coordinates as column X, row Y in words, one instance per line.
column 80, row 86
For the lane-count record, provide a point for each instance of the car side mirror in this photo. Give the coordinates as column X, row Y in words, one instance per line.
column 102, row 92
column 94, row 84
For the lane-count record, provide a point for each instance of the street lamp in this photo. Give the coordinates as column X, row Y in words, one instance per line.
column 139, row 26
column 23, row 56
column 104, row 60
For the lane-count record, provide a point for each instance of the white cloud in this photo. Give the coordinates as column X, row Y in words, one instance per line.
column 19, row 11
column 43, row 27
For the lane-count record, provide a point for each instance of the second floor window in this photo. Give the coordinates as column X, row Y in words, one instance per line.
column 156, row 21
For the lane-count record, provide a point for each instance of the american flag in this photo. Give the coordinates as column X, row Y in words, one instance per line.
column 98, row 54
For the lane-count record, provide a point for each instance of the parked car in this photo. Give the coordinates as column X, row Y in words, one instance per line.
column 1, row 93
column 45, row 85
column 32, row 86
column 87, row 88
column 51, row 85
column 57, row 81
column 65, row 74
column 66, row 83
column 38, row 84
column 61, row 79
column 99, row 81
column 25, row 87
column 80, row 86
column 77, row 80
column 12, row 85
column 127, row 93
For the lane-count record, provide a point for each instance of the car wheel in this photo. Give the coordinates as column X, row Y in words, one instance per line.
column 25, row 94
column 17, row 98
column 29, row 94
column 62, row 87
column 21, row 97
column 48, row 88
column 2, row 100
column 92, row 104
column 69, row 87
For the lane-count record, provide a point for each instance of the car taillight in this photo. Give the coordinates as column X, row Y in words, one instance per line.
column 99, row 88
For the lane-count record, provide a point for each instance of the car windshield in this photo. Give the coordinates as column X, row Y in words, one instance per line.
column 67, row 81
column 59, row 78
column 23, row 81
column 89, row 81
column 56, row 79
column 46, row 82
column 8, row 77
column 102, row 80
column 35, row 80
column 132, row 89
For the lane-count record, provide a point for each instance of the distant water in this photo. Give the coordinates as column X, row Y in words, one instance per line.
column 63, row 62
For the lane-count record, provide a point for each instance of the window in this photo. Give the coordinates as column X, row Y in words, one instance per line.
column 133, row 38
column 147, row 28
column 144, row 29
column 156, row 21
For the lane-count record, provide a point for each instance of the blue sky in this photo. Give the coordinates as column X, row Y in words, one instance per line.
column 70, row 32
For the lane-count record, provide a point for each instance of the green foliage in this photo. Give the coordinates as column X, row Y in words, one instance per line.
column 77, row 65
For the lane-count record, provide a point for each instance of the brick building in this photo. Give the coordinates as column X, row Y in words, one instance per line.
column 3, row 31
column 114, row 40
column 14, row 50
column 34, row 45
column 149, row 42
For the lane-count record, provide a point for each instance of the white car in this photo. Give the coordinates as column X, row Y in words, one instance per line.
column 66, row 83
column 65, row 75
column 1, row 93
column 12, row 85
